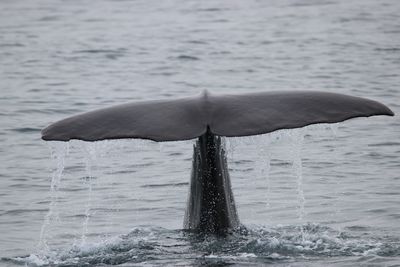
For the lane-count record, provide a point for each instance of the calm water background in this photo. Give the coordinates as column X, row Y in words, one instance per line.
column 59, row 58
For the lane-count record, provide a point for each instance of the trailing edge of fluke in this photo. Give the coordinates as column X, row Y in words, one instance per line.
column 224, row 115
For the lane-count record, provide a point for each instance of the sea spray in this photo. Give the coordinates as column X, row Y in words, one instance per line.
column 59, row 151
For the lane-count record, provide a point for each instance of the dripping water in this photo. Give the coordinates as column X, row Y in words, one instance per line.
column 289, row 143
column 59, row 151
column 90, row 158
column 264, row 153
column 336, row 192
column 297, row 144
column 297, row 167
column 282, row 242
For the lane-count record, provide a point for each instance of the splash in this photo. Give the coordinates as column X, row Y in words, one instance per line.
column 245, row 246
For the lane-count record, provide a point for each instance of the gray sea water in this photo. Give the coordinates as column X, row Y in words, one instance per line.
column 321, row 196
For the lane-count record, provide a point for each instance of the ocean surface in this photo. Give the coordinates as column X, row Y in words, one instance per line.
column 324, row 195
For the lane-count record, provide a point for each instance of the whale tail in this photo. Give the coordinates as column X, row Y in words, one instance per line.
column 211, row 207
column 225, row 115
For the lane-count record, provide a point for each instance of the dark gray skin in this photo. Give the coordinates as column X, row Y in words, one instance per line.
column 225, row 115
column 211, row 208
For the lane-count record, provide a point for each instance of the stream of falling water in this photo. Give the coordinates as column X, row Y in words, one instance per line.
column 297, row 144
column 263, row 165
column 90, row 152
column 295, row 156
column 336, row 194
column 293, row 138
column 59, row 151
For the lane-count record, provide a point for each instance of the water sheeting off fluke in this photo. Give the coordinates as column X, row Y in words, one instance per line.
column 225, row 115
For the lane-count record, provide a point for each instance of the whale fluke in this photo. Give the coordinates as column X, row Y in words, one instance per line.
column 211, row 207
column 225, row 115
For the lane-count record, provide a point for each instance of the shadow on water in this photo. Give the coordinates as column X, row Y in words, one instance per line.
column 281, row 245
